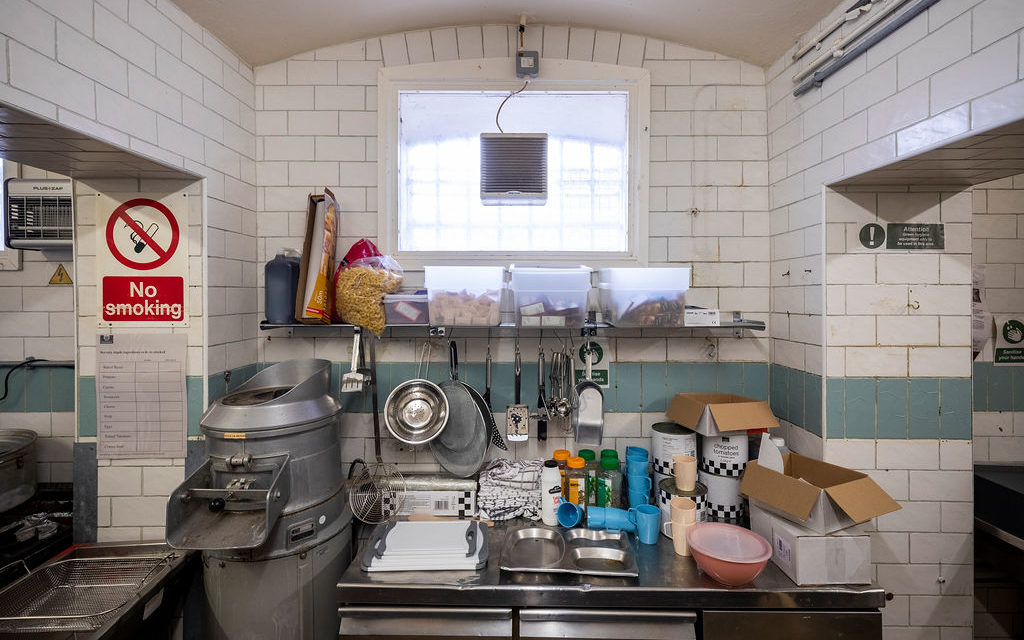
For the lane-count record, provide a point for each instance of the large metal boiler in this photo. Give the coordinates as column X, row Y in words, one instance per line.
column 268, row 507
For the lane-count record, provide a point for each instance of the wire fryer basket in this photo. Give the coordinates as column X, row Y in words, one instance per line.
column 79, row 594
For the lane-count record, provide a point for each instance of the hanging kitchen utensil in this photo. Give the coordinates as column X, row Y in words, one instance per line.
column 353, row 380
column 542, row 408
column 492, row 428
column 587, row 407
column 487, row 376
column 517, row 415
column 461, row 446
column 496, row 438
column 378, row 493
column 483, row 405
column 561, row 374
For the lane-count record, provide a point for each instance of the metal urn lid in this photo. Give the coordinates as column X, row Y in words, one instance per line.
column 283, row 395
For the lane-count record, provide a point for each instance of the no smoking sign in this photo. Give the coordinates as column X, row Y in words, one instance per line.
column 142, row 260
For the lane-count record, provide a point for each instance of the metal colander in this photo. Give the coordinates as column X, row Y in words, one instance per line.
column 74, row 595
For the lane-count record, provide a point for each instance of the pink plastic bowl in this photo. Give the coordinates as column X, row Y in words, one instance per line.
column 731, row 555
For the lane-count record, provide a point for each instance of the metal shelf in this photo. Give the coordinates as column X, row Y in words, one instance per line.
column 509, row 329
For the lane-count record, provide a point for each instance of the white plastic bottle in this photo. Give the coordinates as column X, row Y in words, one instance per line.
column 550, row 492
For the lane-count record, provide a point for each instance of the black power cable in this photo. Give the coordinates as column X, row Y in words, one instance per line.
column 7, row 378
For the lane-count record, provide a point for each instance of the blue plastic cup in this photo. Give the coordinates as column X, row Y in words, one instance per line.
column 637, row 451
column 569, row 514
column 636, row 465
column 648, row 522
column 639, row 482
column 595, row 517
column 638, row 498
column 618, row 519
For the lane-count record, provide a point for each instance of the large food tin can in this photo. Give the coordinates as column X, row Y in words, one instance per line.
column 724, row 455
column 723, row 499
column 668, row 439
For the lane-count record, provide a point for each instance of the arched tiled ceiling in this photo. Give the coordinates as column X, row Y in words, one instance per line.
column 262, row 31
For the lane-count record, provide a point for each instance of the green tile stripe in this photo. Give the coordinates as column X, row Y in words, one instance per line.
column 796, row 397
column 87, row 404
column 898, row 408
column 998, row 388
column 39, row 389
column 634, row 386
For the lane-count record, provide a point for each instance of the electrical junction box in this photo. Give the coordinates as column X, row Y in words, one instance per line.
column 527, row 64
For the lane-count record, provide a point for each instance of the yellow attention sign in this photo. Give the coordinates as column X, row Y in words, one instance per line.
column 60, row 276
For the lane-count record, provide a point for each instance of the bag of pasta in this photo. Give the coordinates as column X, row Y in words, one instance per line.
column 359, row 289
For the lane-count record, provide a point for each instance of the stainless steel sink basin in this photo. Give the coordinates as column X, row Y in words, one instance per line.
column 535, row 547
column 601, row 559
column 593, row 535
column 583, row 551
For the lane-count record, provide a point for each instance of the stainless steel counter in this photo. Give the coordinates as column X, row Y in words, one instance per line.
column 666, row 581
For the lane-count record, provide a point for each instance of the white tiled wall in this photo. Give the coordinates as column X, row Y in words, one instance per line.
column 38, row 321
column 998, row 232
column 143, row 75
column 897, row 314
column 317, row 126
column 126, row 504
column 923, row 553
column 951, row 71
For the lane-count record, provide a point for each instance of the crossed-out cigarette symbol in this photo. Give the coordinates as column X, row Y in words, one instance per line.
column 138, row 242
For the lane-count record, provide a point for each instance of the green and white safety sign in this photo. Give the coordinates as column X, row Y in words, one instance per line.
column 1009, row 339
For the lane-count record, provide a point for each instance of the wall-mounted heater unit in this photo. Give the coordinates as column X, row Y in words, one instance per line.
column 39, row 214
column 513, row 168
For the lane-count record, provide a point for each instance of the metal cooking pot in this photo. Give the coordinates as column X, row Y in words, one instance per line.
column 17, row 467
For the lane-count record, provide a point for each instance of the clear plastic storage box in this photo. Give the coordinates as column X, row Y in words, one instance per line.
column 406, row 307
column 550, row 296
column 464, row 296
column 643, row 297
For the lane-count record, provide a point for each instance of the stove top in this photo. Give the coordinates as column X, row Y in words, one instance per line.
column 35, row 530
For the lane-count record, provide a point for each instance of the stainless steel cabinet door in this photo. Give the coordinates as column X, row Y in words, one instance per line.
column 586, row 624
column 792, row 625
column 436, row 623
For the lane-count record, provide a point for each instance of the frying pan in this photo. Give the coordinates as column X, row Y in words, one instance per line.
column 461, row 446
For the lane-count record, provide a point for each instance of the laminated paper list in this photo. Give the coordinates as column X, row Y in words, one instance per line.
column 140, row 396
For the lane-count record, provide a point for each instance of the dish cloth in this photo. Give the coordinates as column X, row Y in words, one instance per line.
column 510, row 489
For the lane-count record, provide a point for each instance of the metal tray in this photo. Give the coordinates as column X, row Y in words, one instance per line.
column 583, row 551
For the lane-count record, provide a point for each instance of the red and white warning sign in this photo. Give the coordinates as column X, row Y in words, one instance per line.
column 142, row 260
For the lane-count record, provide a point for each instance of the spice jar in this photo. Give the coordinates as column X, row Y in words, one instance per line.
column 592, row 467
column 609, row 483
column 561, row 457
column 576, row 481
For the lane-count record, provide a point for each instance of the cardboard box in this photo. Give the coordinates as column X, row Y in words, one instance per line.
column 811, row 559
column 820, row 496
column 461, row 504
column 713, row 414
column 314, row 255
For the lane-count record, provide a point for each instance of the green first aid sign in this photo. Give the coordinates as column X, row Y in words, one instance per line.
column 1009, row 340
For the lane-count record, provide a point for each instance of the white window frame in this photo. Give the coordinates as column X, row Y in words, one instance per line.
column 10, row 259
column 496, row 74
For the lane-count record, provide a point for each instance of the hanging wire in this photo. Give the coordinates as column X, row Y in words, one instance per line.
column 498, row 114
column 7, row 378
